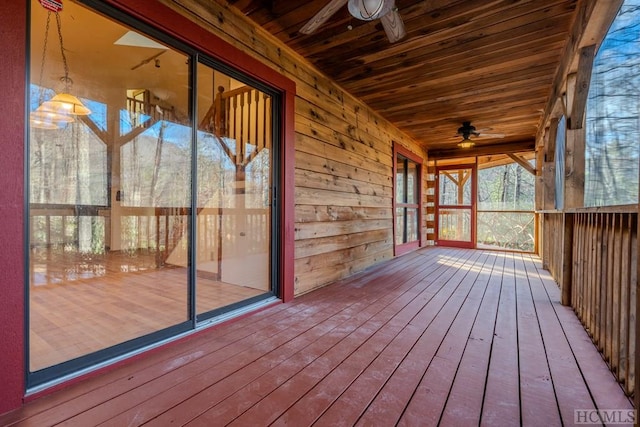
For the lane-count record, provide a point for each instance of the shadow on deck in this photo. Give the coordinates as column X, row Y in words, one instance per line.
column 438, row 336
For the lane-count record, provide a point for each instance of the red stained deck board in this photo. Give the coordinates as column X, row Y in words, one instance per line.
column 149, row 369
column 370, row 374
column 602, row 384
column 537, row 395
column 464, row 404
column 197, row 375
column 205, row 392
column 377, row 334
column 390, row 403
column 248, row 396
column 429, row 400
column 501, row 404
column 571, row 391
column 157, row 363
column 419, row 322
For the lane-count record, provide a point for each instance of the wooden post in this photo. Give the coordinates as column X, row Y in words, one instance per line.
column 567, row 259
column 549, row 167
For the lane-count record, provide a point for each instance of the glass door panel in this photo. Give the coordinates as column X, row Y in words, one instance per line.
column 234, row 181
column 109, row 191
column 407, row 202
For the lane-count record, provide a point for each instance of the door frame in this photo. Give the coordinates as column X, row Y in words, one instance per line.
column 473, row 207
column 402, row 248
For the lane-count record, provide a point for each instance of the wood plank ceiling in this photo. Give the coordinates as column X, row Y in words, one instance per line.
column 491, row 62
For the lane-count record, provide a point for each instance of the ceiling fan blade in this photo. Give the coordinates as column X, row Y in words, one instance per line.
column 393, row 25
column 491, row 135
column 322, row 16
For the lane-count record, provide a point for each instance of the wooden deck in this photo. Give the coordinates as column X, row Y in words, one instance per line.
column 440, row 336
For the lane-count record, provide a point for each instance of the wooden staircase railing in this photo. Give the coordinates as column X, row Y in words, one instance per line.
column 244, row 116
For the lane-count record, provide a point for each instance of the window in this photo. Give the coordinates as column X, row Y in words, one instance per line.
column 613, row 114
column 145, row 212
column 408, row 173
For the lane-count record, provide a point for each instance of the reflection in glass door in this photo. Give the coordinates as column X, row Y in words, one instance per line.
column 124, row 250
column 234, row 191
column 456, row 206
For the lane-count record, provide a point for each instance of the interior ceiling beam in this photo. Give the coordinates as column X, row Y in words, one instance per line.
column 507, row 148
column 522, row 162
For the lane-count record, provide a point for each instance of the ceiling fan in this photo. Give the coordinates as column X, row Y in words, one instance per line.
column 364, row 10
column 466, row 130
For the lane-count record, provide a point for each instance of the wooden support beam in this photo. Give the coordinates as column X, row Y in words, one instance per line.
column 591, row 23
column 581, row 89
column 525, row 164
column 569, row 94
column 506, row 148
column 550, row 146
column 451, row 177
column 574, row 169
column 539, row 184
column 567, row 259
column 549, row 165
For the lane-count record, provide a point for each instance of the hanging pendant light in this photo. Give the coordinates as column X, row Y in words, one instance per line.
column 368, row 10
column 61, row 108
column 65, row 103
column 466, row 143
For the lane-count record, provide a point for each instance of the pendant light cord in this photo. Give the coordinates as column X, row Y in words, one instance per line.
column 44, row 56
column 67, row 80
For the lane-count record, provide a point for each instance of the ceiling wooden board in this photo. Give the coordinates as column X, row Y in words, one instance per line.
column 491, row 62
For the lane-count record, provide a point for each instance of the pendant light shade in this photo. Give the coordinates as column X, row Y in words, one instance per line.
column 368, row 10
column 65, row 103
column 61, row 109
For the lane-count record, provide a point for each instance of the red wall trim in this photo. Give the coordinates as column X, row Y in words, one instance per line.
column 13, row 51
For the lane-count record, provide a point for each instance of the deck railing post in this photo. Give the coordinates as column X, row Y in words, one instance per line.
column 567, row 258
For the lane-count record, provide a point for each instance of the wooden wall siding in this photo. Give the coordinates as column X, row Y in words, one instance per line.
column 343, row 155
column 604, row 284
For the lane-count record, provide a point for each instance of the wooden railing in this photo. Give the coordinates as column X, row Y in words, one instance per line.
column 553, row 243
column 144, row 113
column 159, row 230
column 242, row 115
column 598, row 276
column 507, row 229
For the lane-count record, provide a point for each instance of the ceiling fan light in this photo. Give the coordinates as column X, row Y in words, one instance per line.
column 368, row 10
column 466, row 143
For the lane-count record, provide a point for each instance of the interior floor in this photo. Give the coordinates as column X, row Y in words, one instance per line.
column 82, row 304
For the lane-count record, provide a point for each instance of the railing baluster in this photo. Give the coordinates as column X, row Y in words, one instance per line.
column 604, row 280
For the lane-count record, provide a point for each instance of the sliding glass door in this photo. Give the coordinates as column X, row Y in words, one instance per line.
column 151, row 178
column 235, row 163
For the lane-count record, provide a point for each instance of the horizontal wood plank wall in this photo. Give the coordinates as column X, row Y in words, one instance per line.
column 604, row 286
column 343, row 161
